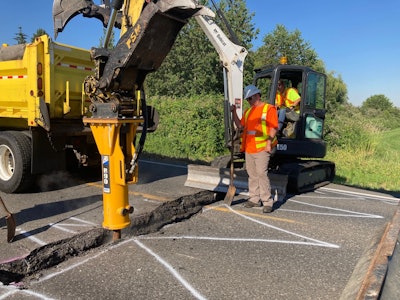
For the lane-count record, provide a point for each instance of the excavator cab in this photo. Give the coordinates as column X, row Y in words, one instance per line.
column 302, row 135
column 298, row 147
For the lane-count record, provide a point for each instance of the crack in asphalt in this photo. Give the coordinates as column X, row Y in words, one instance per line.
column 54, row 253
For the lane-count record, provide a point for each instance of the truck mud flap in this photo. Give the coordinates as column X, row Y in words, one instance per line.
column 217, row 180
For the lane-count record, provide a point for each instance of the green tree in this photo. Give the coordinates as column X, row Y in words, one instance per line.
column 20, row 37
column 193, row 67
column 280, row 43
column 381, row 111
column 336, row 92
column 379, row 102
column 38, row 33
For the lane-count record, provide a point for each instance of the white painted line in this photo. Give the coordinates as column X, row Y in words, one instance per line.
column 325, row 244
column 60, row 227
column 350, row 213
column 73, row 266
column 41, row 296
column 194, row 292
column 328, row 214
column 191, row 289
column 9, row 293
column 72, row 225
column 210, row 238
column 13, row 290
column 31, row 237
column 212, row 207
column 83, row 221
column 331, row 197
column 391, row 198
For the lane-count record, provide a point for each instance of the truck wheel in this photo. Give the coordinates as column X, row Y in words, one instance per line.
column 15, row 162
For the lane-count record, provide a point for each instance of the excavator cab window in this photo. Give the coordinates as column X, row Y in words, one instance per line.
column 265, row 86
column 314, row 106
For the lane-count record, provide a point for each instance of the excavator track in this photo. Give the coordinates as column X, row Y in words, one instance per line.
column 307, row 175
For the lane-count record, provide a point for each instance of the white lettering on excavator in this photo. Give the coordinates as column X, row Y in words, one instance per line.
column 219, row 37
column 281, row 147
column 106, row 174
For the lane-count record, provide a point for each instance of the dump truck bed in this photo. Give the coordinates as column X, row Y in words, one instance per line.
column 42, row 80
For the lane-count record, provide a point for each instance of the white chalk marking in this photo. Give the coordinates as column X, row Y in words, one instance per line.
column 12, row 290
column 353, row 214
column 391, row 198
column 191, row 289
column 41, row 296
column 60, row 227
column 83, row 221
column 71, row 225
column 282, row 230
column 31, row 237
column 210, row 238
column 9, row 293
column 73, row 266
column 331, row 197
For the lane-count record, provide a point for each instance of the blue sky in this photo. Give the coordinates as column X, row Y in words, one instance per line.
column 357, row 39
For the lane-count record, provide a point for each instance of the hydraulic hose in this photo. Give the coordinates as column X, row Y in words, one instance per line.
column 142, row 139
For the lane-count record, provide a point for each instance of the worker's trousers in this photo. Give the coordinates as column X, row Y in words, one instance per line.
column 259, row 185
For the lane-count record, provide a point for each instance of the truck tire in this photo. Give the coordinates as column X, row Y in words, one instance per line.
column 15, row 162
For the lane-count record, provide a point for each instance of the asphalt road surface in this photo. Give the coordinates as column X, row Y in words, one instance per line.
column 308, row 248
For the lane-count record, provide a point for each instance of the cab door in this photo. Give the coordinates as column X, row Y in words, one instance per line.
column 313, row 106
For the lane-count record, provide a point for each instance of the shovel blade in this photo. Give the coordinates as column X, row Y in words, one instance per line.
column 11, row 225
column 230, row 194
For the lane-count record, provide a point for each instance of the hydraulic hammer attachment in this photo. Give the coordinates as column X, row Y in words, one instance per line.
column 148, row 32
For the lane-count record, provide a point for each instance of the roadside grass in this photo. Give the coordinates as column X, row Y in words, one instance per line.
column 374, row 167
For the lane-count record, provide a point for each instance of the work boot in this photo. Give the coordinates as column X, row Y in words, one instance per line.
column 267, row 209
column 250, row 204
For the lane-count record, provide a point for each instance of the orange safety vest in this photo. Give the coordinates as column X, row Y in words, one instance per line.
column 279, row 100
column 260, row 131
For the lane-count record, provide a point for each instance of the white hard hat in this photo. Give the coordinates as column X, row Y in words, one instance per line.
column 250, row 90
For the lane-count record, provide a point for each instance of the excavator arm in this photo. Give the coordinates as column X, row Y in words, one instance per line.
column 232, row 58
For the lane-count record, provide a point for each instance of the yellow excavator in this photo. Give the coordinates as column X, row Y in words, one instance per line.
column 148, row 30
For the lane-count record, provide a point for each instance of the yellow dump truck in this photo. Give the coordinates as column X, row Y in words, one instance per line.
column 42, row 104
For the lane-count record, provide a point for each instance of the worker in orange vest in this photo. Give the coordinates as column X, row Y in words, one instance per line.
column 259, row 126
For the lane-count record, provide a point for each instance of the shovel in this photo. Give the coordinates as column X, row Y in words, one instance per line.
column 230, row 194
column 11, row 225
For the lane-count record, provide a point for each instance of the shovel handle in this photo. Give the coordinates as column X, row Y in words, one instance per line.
column 4, row 206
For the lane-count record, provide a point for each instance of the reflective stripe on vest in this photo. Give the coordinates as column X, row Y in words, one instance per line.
column 261, row 140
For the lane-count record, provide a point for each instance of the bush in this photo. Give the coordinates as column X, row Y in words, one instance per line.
column 191, row 128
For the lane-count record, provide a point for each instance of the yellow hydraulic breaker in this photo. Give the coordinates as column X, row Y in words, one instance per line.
column 113, row 137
